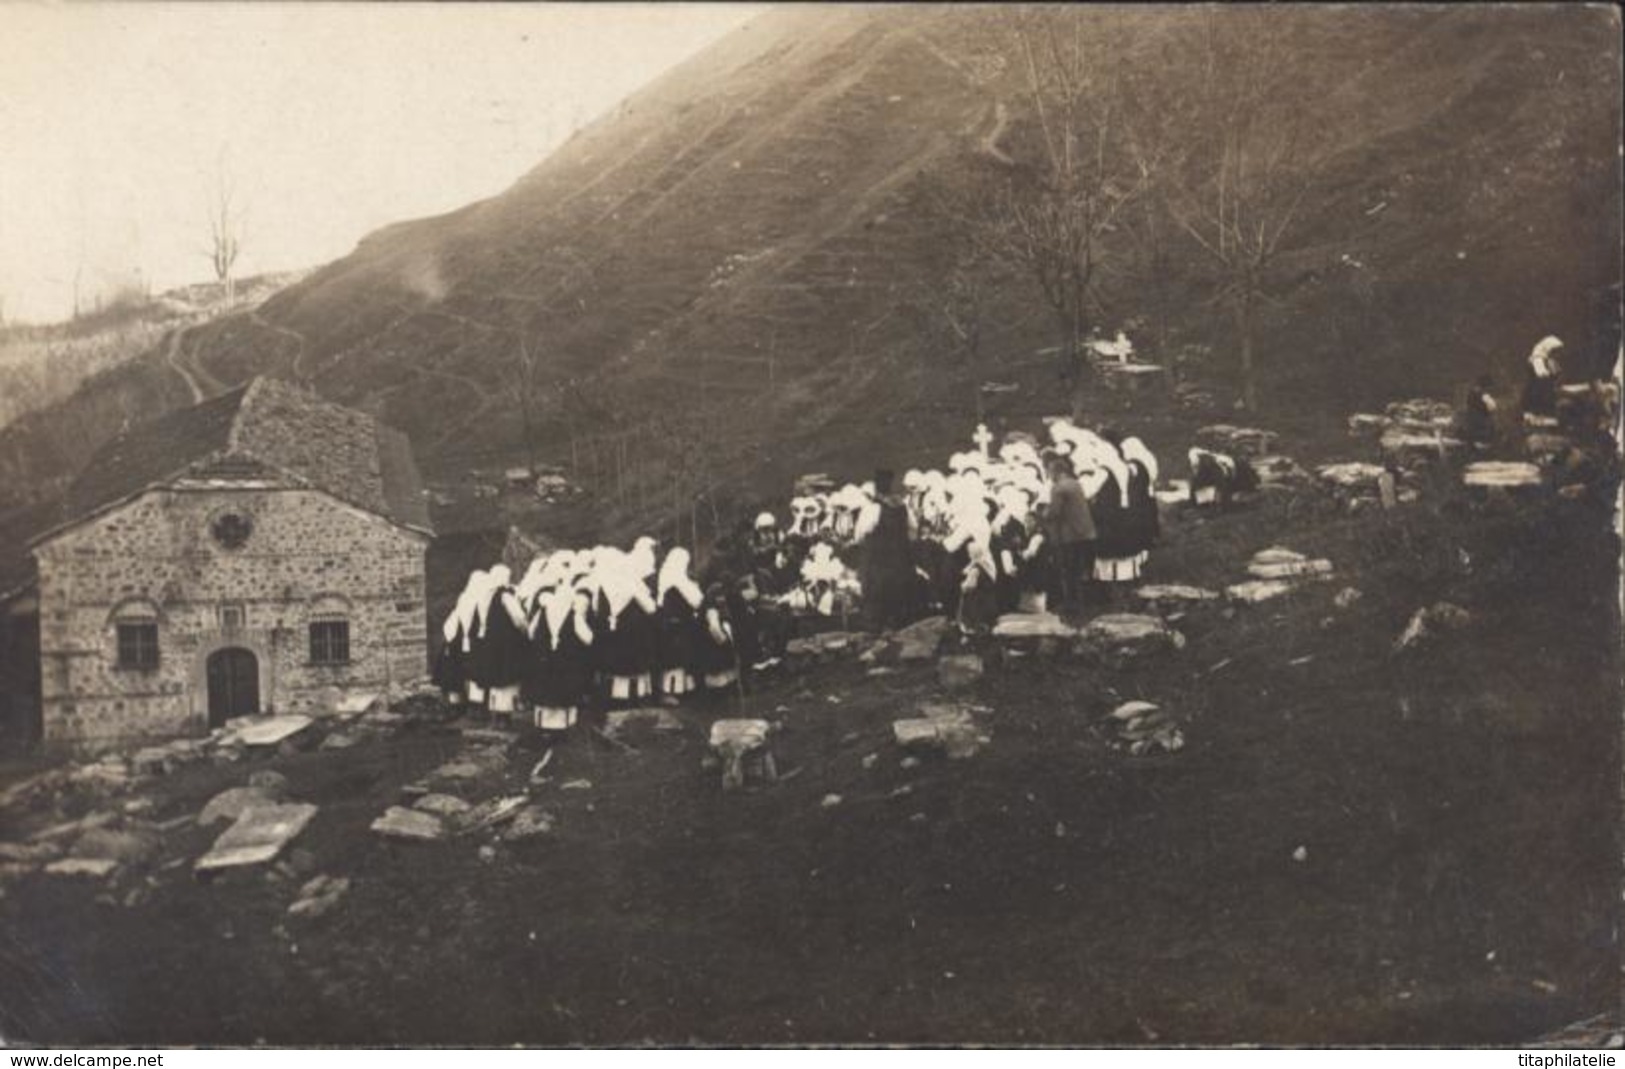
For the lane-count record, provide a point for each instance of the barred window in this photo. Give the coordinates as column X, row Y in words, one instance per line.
column 138, row 645
column 330, row 642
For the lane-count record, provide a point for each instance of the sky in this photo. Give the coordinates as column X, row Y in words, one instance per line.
column 118, row 120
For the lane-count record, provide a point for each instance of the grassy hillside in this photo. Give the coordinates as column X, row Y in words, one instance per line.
column 744, row 240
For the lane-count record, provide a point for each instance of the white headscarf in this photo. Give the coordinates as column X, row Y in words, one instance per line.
column 462, row 615
column 1134, row 449
column 1540, row 358
column 621, row 578
column 1104, row 456
column 497, row 588
column 674, row 576
column 534, row 579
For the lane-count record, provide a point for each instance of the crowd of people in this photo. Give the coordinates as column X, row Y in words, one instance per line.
column 1030, row 525
column 597, row 624
column 1054, row 523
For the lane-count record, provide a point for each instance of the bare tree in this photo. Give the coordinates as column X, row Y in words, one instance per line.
column 1250, row 163
column 225, row 217
column 1047, row 217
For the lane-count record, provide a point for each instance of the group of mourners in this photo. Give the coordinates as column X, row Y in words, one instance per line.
column 601, row 624
column 1032, row 524
column 1054, row 523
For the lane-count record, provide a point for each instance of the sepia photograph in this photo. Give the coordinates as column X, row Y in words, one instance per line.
column 683, row 525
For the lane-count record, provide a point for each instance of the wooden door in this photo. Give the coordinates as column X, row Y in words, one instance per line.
column 234, row 685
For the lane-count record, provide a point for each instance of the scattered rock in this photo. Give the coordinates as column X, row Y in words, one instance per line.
column 742, row 744
column 1257, row 590
column 1032, row 625
column 529, row 823
column 1175, row 594
column 1248, row 441
column 31, row 853
column 1128, row 632
column 959, row 670
column 576, row 785
column 945, row 727
column 1502, row 473
column 1299, row 569
column 356, row 703
column 339, row 740
column 869, row 761
column 268, row 779
column 490, row 738
column 231, row 803
column 830, row 801
column 98, row 867
column 1352, row 476
column 401, row 823
column 257, row 837
column 919, row 641
column 654, row 717
column 496, row 811
column 1425, row 624
column 1301, row 854
column 1347, row 597
column 825, row 642
column 269, row 731
column 1143, row 728
column 129, row 846
column 318, row 896
column 442, row 805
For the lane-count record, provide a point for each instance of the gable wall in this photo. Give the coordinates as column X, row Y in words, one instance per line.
column 158, row 549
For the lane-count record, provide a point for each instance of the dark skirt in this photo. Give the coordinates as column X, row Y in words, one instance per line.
column 681, row 633
column 498, row 658
column 562, row 677
column 632, row 647
column 450, row 669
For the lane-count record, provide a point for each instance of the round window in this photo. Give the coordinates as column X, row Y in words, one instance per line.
column 231, row 529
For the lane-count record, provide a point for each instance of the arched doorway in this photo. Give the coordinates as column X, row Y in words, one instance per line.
column 234, row 684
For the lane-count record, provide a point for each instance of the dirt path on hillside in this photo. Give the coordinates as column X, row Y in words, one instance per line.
column 175, row 358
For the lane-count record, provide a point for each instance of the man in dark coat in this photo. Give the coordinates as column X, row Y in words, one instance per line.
column 887, row 561
column 1069, row 534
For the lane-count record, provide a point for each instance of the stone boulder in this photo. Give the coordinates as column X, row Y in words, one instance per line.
column 959, row 670
column 232, row 802
column 1130, row 633
column 919, row 641
column 1017, row 625
column 410, row 824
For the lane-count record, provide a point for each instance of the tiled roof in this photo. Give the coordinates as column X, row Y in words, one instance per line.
column 267, row 425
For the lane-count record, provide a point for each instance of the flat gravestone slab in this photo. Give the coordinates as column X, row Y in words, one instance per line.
column 1501, row 473
column 232, row 802
column 1294, row 569
column 654, row 717
column 271, row 730
column 1351, row 475
column 401, row 823
column 739, row 735
column 257, row 836
column 1032, row 625
column 1125, row 628
column 81, row 866
column 442, row 805
column 1257, row 590
column 1174, row 592
column 354, row 704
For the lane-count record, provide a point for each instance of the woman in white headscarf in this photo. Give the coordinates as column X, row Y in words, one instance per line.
column 1117, row 552
column 677, row 606
column 561, row 644
column 1146, row 524
column 501, row 643
column 451, row 665
column 626, row 609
